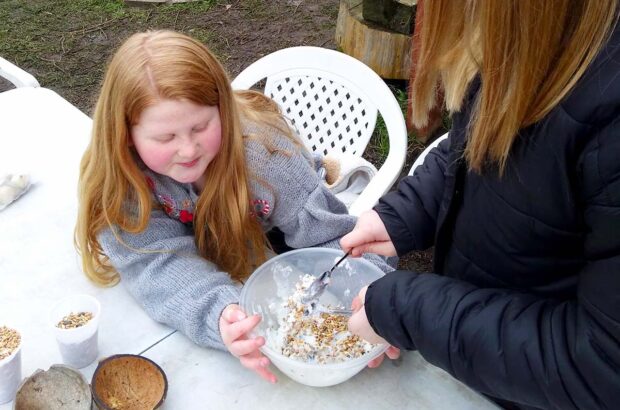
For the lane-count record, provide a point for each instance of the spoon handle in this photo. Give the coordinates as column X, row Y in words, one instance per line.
column 338, row 263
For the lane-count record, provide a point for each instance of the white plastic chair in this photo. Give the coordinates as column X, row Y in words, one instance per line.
column 16, row 75
column 420, row 159
column 333, row 100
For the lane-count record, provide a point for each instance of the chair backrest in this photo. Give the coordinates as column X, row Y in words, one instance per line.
column 330, row 97
column 328, row 115
column 333, row 100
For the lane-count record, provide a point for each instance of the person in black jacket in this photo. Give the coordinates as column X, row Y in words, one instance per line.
column 522, row 204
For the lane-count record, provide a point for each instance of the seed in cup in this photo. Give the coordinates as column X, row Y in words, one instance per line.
column 74, row 320
column 9, row 341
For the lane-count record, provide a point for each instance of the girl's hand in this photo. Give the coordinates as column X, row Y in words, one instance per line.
column 358, row 325
column 368, row 236
column 234, row 327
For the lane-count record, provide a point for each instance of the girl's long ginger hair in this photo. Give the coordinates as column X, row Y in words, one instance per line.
column 147, row 68
column 528, row 54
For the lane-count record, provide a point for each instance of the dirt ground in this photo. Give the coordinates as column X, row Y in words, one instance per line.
column 71, row 49
column 65, row 43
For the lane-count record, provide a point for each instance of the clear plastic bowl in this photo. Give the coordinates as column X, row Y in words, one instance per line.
column 274, row 281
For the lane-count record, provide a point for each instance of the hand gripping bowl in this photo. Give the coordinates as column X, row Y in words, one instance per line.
column 274, row 281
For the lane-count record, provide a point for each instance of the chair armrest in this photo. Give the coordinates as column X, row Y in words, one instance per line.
column 420, row 160
column 16, row 75
column 380, row 183
column 390, row 170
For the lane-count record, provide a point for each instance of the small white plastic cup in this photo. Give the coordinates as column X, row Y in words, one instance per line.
column 10, row 374
column 78, row 346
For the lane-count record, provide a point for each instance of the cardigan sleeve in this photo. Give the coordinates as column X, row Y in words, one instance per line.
column 304, row 209
column 162, row 270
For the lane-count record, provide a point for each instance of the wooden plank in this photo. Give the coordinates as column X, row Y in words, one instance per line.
column 386, row 52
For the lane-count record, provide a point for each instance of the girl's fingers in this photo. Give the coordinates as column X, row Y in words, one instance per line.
column 243, row 347
column 260, row 364
column 358, row 301
column 266, row 374
column 385, row 248
column 393, row 352
column 236, row 330
column 356, row 323
column 362, row 294
column 354, row 239
column 356, row 304
column 233, row 313
column 254, row 361
column 376, row 362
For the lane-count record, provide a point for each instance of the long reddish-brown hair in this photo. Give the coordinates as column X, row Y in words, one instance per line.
column 147, row 68
column 529, row 54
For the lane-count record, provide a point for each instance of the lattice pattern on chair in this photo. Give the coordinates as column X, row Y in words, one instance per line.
column 328, row 116
column 333, row 101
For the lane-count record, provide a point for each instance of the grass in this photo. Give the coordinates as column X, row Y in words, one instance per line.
column 380, row 141
column 255, row 9
column 65, row 43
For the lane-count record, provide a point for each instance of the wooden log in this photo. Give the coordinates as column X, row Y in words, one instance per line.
column 395, row 15
column 386, row 52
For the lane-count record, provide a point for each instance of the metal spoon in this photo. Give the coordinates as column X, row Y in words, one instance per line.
column 317, row 287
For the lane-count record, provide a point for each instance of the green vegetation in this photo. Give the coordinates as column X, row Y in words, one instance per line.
column 65, row 43
column 380, row 140
column 32, row 22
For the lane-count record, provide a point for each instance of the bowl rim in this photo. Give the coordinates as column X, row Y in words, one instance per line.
column 365, row 358
column 104, row 406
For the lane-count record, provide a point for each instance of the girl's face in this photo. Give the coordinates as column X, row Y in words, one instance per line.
column 179, row 139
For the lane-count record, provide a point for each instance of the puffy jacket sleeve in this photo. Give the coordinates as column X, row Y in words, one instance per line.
column 410, row 213
column 162, row 270
column 516, row 346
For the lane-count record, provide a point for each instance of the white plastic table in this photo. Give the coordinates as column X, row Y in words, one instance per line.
column 43, row 135
column 202, row 378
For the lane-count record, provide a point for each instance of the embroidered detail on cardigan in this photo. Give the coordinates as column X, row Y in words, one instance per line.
column 183, row 212
column 260, row 208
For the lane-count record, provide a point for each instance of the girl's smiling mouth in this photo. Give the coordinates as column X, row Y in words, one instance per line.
column 189, row 164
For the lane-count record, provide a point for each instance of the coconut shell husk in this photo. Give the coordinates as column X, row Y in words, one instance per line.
column 129, row 382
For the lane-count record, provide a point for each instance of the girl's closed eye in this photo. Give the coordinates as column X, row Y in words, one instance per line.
column 165, row 138
column 200, row 128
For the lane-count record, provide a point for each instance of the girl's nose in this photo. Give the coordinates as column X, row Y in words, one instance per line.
column 187, row 149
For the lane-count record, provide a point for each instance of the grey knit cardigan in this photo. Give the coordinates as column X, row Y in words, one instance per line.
column 179, row 288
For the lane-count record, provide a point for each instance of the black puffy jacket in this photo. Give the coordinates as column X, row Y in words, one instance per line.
column 525, row 302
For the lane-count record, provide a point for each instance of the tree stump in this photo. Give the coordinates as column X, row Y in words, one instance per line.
column 388, row 53
column 395, row 15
